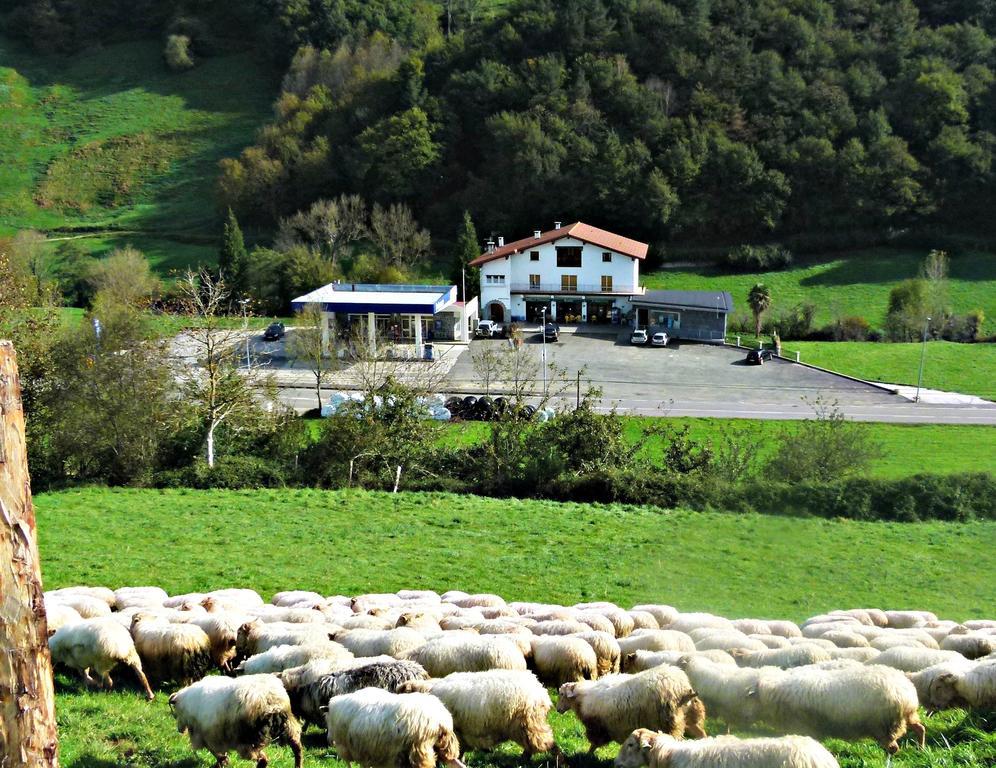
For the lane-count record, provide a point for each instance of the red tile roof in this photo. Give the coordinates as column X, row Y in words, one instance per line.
column 579, row 231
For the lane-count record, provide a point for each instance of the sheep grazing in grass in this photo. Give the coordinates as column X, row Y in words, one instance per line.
column 282, row 657
column 850, row 703
column 664, row 614
column 310, row 694
column 606, row 649
column 380, row 642
column 257, row 636
column 560, row 659
column 87, row 606
column 970, row 684
column 58, row 616
column 244, row 715
column 97, row 645
column 783, row 658
column 380, row 729
column 772, row 641
column 139, row 597
column 295, row 596
column 729, row 692
column 101, row 593
column 612, row 707
column 222, row 630
column 660, row 750
column 561, row 627
column 594, row 620
column 643, row 620
column 972, row 645
column 178, row 652
column 656, row 640
column 444, row 655
column 641, row 660
column 495, row 706
column 908, row 659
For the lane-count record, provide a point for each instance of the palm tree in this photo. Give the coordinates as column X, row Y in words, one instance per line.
column 759, row 298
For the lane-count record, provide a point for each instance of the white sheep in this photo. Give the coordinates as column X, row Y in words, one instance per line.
column 562, row 659
column 907, row 619
column 139, row 597
column 444, row 655
column 256, row 636
column 222, row 629
column 687, row 622
column 606, row 649
column 380, row 642
column 664, row 614
column 656, row 640
column 561, row 627
column 908, row 659
column 179, row 652
column 772, row 641
column 87, row 606
column 641, row 660
column 729, row 692
column 611, row 707
column 971, row 645
column 244, row 715
column 787, row 629
column 282, row 657
column 849, row 703
column 783, row 658
column 97, row 645
column 379, row 729
column 660, row 750
column 727, row 641
column 58, row 616
column 595, row 621
column 102, row 593
column 957, row 684
column 494, row 706
column 643, row 620
column 477, row 601
column 864, row 655
column 293, row 597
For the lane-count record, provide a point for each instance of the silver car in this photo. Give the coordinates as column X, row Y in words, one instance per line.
column 659, row 339
column 639, row 337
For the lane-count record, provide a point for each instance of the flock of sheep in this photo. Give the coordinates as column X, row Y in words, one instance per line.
column 412, row 679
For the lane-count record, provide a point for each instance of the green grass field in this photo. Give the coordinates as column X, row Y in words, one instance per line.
column 966, row 368
column 349, row 542
column 854, row 284
column 906, row 449
column 110, row 139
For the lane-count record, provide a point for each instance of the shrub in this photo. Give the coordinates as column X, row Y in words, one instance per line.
column 907, row 310
column 177, row 53
column 852, row 328
column 797, row 322
column 964, row 327
column 758, row 258
column 229, row 472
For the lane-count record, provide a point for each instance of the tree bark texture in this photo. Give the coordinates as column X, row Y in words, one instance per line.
column 27, row 700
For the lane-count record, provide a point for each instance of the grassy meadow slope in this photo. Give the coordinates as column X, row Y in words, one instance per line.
column 357, row 541
column 854, row 284
column 110, row 139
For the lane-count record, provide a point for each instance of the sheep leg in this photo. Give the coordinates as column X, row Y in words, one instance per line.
column 108, row 683
column 221, row 760
column 88, row 680
column 263, row 760
column 137, row 669
column 917, row 728
column 295, row 745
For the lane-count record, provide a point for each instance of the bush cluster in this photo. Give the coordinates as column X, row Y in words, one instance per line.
column 758, row 258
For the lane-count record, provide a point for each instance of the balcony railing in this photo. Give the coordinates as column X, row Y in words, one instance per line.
column 557, row 287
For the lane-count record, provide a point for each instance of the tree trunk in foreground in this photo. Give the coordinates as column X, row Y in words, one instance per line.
column 27, row 701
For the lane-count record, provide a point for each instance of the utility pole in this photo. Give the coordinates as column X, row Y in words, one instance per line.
column 245, row 328
column 579, row 390
column 923, row 354
column 27, row 699
column 543, row 335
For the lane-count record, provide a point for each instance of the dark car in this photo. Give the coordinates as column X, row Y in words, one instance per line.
column 273, row 332
column 551, row 332
column 758, row 356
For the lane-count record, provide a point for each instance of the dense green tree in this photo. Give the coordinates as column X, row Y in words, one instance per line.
column 465, row 250
column 233, row 257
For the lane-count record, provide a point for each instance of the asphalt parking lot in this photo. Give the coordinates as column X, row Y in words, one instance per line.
column 688, row 378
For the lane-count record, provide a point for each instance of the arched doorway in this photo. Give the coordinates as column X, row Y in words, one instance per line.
column 496, row 311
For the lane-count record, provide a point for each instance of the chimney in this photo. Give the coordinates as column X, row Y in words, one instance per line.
column 501, row 241
column 537, row 233
column 556, row 225
column 489, row 244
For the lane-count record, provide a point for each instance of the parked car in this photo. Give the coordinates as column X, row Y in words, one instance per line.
column 489, row 329
column 273, row 332
column 758, row 356
column 659, row 339
column 638, row 337
column 551, row 332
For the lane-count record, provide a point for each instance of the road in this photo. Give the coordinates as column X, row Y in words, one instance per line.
column 897, row 412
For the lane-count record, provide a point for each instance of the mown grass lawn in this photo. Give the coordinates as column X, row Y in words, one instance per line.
column 354, row 541
column 110, row 138
column 855, row 284
column 966, row 368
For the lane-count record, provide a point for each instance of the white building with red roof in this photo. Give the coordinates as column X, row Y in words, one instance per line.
column 575, row 272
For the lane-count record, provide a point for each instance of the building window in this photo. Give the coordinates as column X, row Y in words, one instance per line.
column 606, row 282
column 606, row 257
column 670, row 320
column 534, row 255
column 496, row 280
column 569, row 282
column 534, row 282
column 569, row 256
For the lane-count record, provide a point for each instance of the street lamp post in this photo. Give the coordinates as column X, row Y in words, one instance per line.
column 923, row 354
column 245, row 327
column 543, row 334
